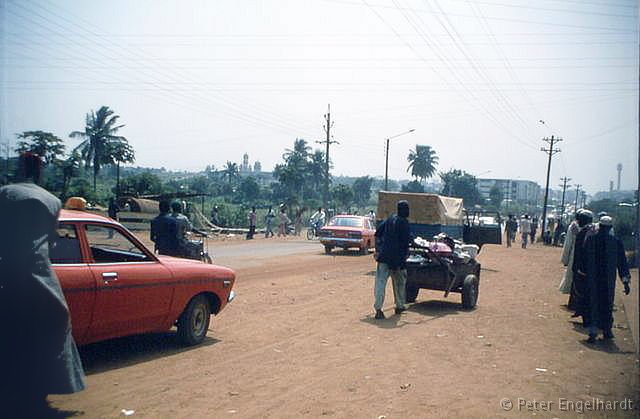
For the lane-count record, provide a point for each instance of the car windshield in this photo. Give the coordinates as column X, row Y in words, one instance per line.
column 346, row 222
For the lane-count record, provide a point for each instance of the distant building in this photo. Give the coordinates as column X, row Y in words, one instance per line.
column 521, row 191
column 257, row 167
column 245, row 167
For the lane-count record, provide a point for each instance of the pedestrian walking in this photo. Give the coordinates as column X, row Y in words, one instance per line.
column 525, row 230
column 567, row 255
column 283, row 220
column 534, row 229
column 605, row 255
column 579, row 299
column 511, row 226
column 268, row 221
column 38, row 355
column 392, row 249
column 252, row 217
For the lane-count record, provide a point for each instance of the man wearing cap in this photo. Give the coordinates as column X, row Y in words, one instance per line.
column 392, row 249
column 605, row 255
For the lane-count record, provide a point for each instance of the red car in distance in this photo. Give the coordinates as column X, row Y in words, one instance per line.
column 116, row 287
column 348, row 231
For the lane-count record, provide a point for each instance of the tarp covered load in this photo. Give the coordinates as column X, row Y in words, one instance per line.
column 424, row 208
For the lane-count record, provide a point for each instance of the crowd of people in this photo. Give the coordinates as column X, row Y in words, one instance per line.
column 592, row 255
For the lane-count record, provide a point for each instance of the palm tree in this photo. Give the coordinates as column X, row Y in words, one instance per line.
column 70, row 167
column 120, row 152
column 300, row 149
column 230, row 171
column 422, row 162
column 99, row 132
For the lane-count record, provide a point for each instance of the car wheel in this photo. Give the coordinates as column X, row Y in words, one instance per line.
column 207, row 259
column 194, row 321
column 470, row 289
column 328, row 249
column 411, row 292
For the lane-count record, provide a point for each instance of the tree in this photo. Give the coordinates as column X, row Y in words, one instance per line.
column 99, row 132
column 249, row 189
column 342, row 195
column 362, row 190
column 44, row 144
column 120, row 152
column 496, row 195
column 231, row 172
column 70, row 168
column 422, row 162
column 142, row 184
column 461, row 184
column 413, row 186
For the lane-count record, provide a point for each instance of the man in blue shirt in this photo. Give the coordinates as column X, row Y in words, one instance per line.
column 392, row 249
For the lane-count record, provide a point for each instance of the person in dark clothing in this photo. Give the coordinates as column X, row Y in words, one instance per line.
column 558, row 232
column 605, row 255
column 534, row 229
column 164, row 231
column 511, row 227
column 392, row 249
column 38, row 355
column 579, row 298
column 113, row 209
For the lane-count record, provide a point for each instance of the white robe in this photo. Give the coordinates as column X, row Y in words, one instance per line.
column 567, row 257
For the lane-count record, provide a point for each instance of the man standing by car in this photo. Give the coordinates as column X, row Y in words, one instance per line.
column 38, row 355
column 392, row 249
column 163, row 231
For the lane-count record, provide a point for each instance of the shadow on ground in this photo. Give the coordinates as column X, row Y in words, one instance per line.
column 431, row 310
column 123, row 352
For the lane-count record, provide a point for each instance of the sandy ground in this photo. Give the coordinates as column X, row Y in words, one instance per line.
column 300, row 340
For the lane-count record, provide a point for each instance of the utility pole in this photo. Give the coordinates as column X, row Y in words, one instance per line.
column 577, row 194
column 550, row 151
column 564, row 190
column 584, row 198
column 7, row 148
column 327, row 128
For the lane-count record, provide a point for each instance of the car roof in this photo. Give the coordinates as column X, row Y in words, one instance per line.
column 73, row 215
column 348, row 216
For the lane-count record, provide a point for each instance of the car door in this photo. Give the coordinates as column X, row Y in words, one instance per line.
column 76, row 279
column 134, row 290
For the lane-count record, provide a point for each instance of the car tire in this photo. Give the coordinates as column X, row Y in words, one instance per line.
column 194, row 321
column 411, row 293
column 328, row 249
column 470, row 289
column 207, row 259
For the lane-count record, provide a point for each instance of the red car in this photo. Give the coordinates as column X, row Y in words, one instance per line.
column 348, row 231
column 115, row 286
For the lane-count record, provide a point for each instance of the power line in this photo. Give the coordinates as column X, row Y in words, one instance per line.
column 564, row 190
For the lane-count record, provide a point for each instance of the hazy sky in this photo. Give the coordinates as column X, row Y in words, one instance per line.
column 203, row 82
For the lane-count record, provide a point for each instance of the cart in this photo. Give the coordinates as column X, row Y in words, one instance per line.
column 452, row 273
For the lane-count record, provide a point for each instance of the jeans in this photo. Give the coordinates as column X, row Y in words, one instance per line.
column 525, row 236
column 398, row 279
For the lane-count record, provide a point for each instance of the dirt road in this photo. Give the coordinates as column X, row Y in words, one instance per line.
column 300, row 340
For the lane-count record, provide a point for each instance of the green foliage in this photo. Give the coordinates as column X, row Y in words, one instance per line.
column 302, row 175
column 100, row 144
column 460, row 184
column 142, row 184
column 413, row 186
column 362, row 190
column 422, row 162
column 44, row 144
column 624, row 219
column 249, row 190
column 342, row 195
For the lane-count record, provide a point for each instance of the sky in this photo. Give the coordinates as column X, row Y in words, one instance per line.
column 200, row 83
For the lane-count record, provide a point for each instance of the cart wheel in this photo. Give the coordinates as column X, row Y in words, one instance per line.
column 470, row 292
column 411, row 292
column 328, row 249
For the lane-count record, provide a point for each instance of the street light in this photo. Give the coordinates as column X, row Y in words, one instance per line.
column 386, row 165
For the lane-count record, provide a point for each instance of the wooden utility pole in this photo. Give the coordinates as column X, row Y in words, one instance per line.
column 577, row 195
column 564, row 190
column 550, row 151
column 327, row 128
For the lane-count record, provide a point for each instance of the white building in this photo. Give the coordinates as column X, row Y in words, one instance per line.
column 522, row 191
